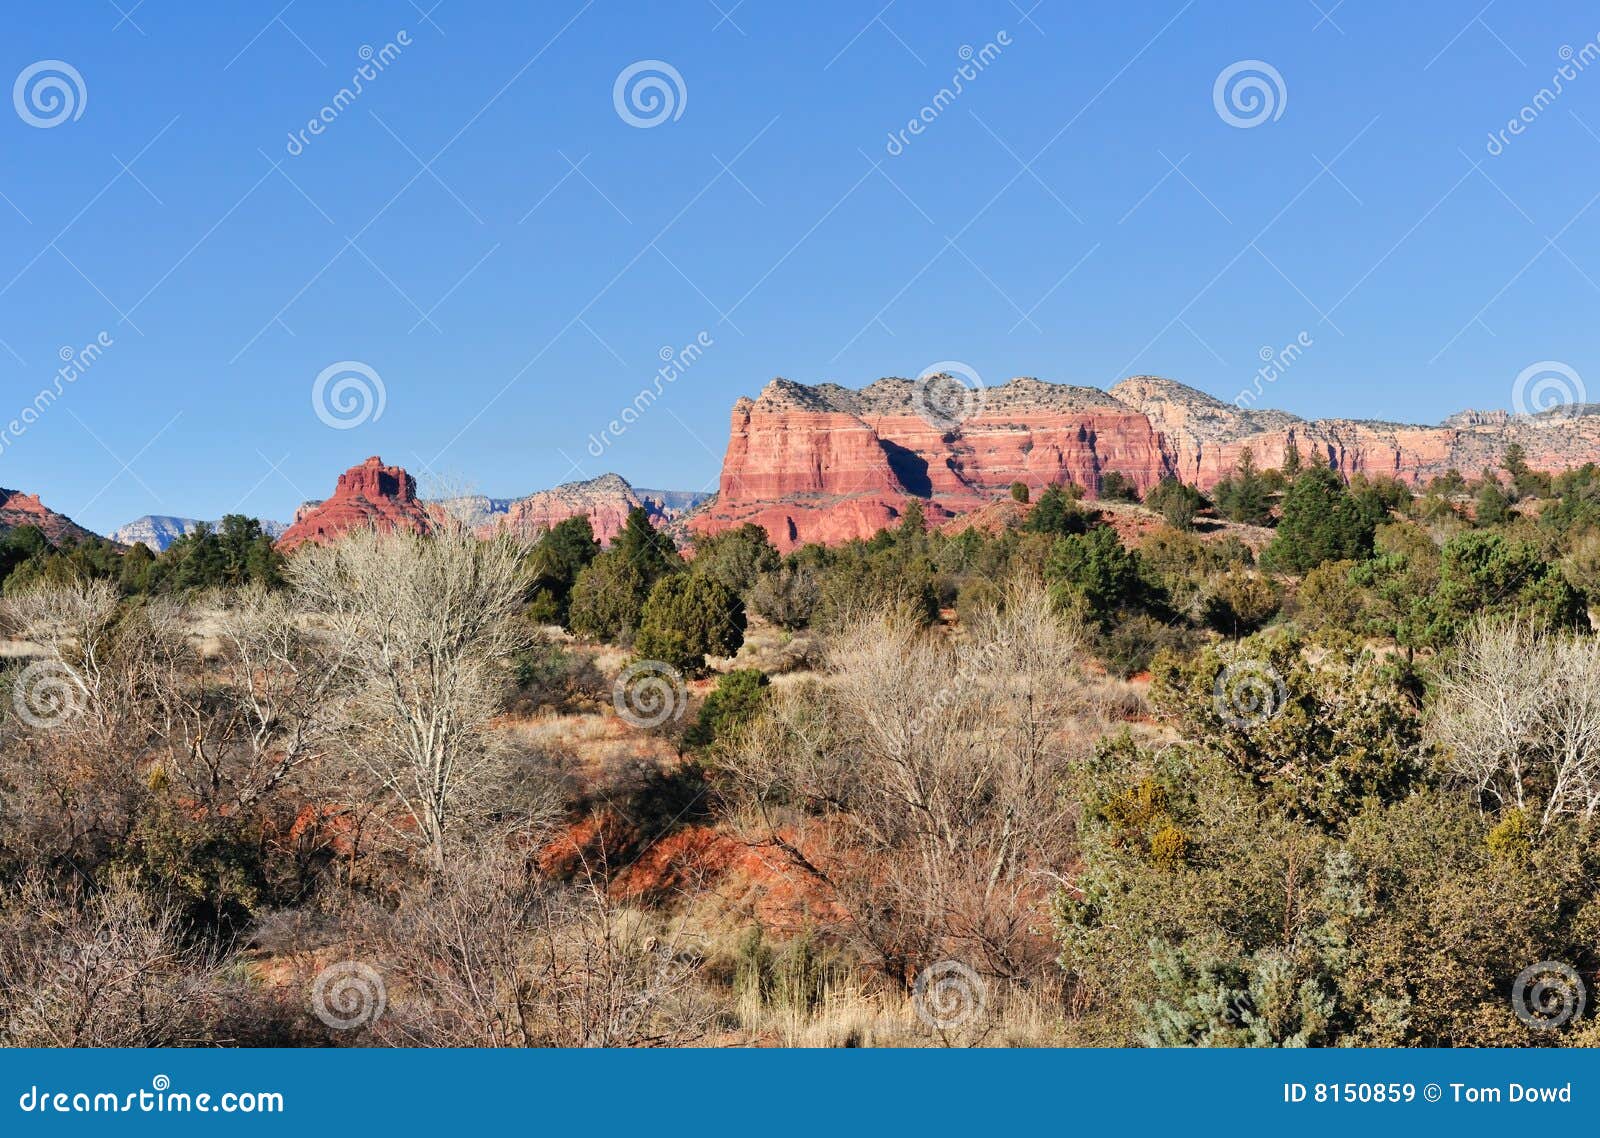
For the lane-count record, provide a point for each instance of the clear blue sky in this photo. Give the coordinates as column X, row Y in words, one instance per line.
column 1424, row 285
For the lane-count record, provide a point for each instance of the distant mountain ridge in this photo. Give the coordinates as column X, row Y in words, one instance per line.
column 373, row 494
column 605, row 500
column 158, row 531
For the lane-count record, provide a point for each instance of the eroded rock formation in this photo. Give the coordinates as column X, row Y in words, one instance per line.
column 827, row 463
column 369, row 495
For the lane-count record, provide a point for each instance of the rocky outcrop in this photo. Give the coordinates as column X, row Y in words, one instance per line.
column 157, row 531
column 371, row 495
column 605, row 500
column 827, row 463
column 19, row 509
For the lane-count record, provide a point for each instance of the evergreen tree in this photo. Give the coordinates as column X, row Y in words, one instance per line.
column 1491, row 505
column 1243, row 496
column 688, row 617
column 1177, row 502
column 1058, row 513
column 1100, row 571
column 560, row 555
column 1321, row 522
column 647, row 548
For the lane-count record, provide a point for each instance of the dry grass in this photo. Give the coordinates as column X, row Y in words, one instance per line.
column 849, row 1015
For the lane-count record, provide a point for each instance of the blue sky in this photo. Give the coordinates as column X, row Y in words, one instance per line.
column 1080, row 212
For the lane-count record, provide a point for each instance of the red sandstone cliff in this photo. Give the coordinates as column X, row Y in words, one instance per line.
column 826, row 463
column 19, row 509
column 370, row 495
column 829, row 464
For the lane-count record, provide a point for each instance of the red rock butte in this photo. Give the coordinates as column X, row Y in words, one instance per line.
column 827, row 463
column 19, row 509
column 371, row 495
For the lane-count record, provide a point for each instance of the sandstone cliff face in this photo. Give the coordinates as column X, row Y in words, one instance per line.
column 19, row 509
column 828, row 464
column 370, row 495
column 605, row 500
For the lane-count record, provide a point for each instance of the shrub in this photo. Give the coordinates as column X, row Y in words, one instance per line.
column 1057, row 512
column 1177, row 502
column 687, row 618
column 787, row 596
column 1323, row 521
column 1118, row 487
column 1239, row 602
column 736, row 557
column 607, row 598
column 735, row 701
column 1097, row 568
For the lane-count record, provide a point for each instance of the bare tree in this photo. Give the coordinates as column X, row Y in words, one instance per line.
column 489, row 953
column 1517, row 718
column 106, row 974
column 935, row 771
column 423, row 624
column 264, row 707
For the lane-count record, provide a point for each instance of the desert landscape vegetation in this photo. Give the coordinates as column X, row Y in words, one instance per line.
column 1292, row 746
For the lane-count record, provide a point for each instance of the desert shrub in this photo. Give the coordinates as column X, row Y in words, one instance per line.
column 735, row 557
column 1239, row 601
column 1322, row 731
column 1118, row 487
column 1489, row 574
column 607, row 598
column 736, row 700
column 688, row 617
column 1329, row 598
column 553, row 676
column 857, row 584
column 1131, row 644
column 787, row 596
column 944, row 764
column 1175, row 501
